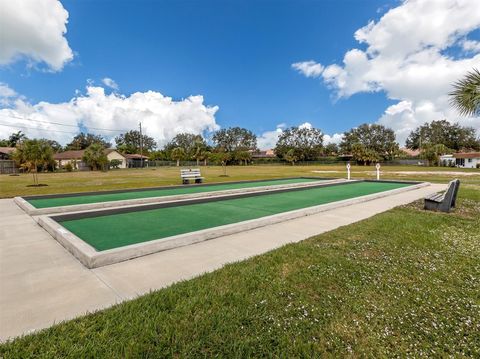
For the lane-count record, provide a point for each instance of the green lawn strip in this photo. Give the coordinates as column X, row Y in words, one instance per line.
column 401, row 284
column 108, row 197
column 106, row 232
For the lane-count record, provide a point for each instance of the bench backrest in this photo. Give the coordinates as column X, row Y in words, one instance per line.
column 192, row 172
column 450, row 195
column 455, row 192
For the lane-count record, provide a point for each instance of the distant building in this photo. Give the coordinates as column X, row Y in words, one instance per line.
column 467, row 159
column 264, row 154
column 75, row 158
column 7, row 165
column 410, row 153
column 6, row 153
column 135, row 160
column 447, row 160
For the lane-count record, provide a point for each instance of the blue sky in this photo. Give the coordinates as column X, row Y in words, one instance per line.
column 238, row 55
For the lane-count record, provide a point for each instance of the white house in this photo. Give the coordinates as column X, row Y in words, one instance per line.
column 467, row 159
column 75, row 158
column 447, row 160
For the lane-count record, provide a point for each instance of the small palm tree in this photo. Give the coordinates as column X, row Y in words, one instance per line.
column 291, row 156
column 31, row 154
column 178, row 154
column 466, row 94
column 95, row 157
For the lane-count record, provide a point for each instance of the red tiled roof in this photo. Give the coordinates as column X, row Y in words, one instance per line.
column 467, row 155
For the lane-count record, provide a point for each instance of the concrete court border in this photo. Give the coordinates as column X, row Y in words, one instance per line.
column 33, row 211
column 92, row 258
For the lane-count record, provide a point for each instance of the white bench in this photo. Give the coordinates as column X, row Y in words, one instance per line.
column 191, row 174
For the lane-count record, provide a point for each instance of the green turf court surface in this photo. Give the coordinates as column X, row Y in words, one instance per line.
column 160, row 192
column 117, row 230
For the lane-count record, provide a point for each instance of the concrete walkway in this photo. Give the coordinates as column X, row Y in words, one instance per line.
column 42, row 284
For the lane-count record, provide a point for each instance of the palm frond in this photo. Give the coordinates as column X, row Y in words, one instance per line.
column 465, row 96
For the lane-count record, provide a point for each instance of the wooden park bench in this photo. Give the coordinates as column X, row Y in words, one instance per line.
column 443, row 201
column 191, row 174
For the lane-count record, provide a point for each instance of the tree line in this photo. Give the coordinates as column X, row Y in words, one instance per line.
column 367, row 143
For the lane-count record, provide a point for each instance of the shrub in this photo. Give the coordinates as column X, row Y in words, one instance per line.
column 68, row 167
column 115, row 163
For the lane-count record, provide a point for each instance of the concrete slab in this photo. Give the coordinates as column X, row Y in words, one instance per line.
column 41, row 283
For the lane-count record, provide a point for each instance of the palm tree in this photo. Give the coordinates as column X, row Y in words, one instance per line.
column 178, row 154
column 291, row 156
column 466, row 94
column 95, row 156
column 31, row 154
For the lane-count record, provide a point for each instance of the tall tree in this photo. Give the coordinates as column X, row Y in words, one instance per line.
column 190, row 143
column 376, row 140
column 235, row 139
column 442, row 132
column 95, row 157
column 56, row 147
column 306, row 144
column 331, row 149
column 178, row 154
column 32, row 154
column 465, row 96
column 364, row 155
column 84, row 140
column 15, row 138
column 129, row 142
column 432, row 152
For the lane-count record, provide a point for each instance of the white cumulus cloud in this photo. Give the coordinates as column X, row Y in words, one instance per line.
column 335, row 138
column 308, row 68
column 471, row 45
column 162, row 117
column 6, row 91
column 107, row 81
column 404, row 55
column 268, row 139
column 35, row 30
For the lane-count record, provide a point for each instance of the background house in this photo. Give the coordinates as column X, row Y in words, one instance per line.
column 264, row 154
column 7, row 164
column 6, row 153
column 447, row 160
column 75, row 158
column 467, row 159
column 135, row 160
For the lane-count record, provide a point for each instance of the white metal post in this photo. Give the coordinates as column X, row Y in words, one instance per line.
column 348, row 171
column 378, row 171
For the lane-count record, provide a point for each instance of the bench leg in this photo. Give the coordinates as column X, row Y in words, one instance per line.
column 198, row 180
column 185, row 181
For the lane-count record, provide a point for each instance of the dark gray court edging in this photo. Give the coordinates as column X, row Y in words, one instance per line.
column 91, row 258
column 32, row 211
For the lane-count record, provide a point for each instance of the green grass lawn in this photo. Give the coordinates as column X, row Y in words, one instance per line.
column 404, row 283
column 84, row 181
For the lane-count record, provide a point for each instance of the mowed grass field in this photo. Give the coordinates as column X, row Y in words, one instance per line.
column 404, row 283
column 85, row 181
